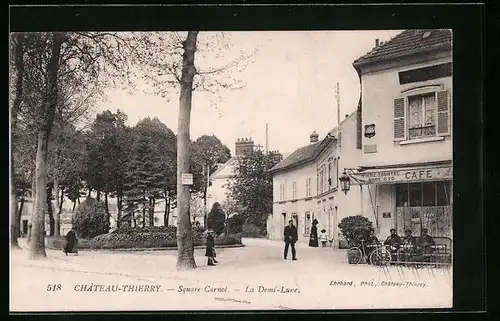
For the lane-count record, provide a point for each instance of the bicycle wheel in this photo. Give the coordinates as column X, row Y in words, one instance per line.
column 380, row 257
column 354, row 255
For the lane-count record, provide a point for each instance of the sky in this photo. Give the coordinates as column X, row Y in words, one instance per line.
column 290, row 85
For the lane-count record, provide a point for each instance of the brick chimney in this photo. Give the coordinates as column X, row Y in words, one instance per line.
column 276, row 156
column 314, row 137
column 243, row 146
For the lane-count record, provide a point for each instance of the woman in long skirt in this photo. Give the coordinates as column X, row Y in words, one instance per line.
column 313, row 238
column 71, row 243
column 210, row 250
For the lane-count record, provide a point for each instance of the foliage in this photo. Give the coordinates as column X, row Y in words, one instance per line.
column 252, row 187
column 90, row 219
column 216, row 219
column 235, row 224
column 252, row 230
column 355, row 228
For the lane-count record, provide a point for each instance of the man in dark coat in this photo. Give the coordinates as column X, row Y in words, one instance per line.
column 291, row 237
column 425, row 243
column 71, row 243
column 393, row 240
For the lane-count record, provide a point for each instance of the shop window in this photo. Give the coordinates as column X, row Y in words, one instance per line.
column 429, row 194
column 443, row 193
column 416, row 194
column 401, row 195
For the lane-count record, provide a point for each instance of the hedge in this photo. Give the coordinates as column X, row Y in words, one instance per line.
column 148, row 237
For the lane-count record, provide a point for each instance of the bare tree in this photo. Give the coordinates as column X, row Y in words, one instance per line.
column 168, row 63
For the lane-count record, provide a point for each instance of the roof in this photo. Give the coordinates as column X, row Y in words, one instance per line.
column 221, row 167
column 408, row 42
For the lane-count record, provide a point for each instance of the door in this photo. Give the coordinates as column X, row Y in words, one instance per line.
column 25, row 227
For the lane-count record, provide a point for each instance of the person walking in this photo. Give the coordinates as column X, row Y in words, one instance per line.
column 210, row 249
column 291, row 237
column 313, row 237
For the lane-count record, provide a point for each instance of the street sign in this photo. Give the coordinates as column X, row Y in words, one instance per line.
column 187, row 179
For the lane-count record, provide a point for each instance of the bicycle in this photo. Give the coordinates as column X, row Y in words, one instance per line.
column 379, row 256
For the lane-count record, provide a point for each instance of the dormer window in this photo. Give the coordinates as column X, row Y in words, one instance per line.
column 426, row 34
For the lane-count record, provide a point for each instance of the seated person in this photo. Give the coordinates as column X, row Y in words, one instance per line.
column 393, row 241
column 425, row 243
column 409, row 243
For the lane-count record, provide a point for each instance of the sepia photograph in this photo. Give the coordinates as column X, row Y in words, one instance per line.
column 231, row 170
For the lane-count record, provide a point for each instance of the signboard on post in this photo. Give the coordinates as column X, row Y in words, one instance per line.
column 187, row 179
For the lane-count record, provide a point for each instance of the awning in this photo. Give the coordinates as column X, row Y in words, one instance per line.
column 402, row 175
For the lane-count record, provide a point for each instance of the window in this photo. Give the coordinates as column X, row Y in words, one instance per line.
column 320, row 181
column 335, row 181
column 423, row 194
column 330, row 182
column 307, row 223
column 282, row 191
column 325, row 180
column 422, row 115
column 294, row 190
column 308, row 187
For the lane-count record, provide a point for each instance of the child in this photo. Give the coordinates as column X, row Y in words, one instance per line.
column 210, row 250
column 323, row 238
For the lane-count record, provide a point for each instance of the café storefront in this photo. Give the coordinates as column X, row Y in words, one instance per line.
column 409, row 197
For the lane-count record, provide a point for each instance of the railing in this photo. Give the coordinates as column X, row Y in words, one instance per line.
column 422, row 131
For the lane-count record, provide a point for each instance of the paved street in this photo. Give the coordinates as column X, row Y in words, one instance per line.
column 149, row 281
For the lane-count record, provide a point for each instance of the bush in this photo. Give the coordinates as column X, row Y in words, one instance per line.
column 355, row 228
column 147, row 237
column 216, row 219
column 91, row 219
column 252, row 230
column 235, row 224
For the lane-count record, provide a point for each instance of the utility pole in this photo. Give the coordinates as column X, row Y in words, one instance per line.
column 337, row 96
column 267, row 139
column 207, row 178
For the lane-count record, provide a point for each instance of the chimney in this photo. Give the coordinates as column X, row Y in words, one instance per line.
column 376, row 43
column 243, row 146
column 314, row 137
column 276, row 156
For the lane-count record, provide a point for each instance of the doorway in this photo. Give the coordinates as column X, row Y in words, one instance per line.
column 25, row 227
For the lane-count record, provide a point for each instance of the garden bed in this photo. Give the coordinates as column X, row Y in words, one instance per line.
column 142, row 238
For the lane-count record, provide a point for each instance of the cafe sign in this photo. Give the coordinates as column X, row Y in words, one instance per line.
column 410, row 175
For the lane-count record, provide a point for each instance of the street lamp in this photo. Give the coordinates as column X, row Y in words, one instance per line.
column 345, row 182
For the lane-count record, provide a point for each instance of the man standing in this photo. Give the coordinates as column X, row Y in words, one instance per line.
column 290, row 239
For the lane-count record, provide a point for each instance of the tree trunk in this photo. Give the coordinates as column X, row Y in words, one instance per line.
column 19, row 216
column 152, row 211
column 106, row 206
column 61, row 201
column 74, row 206
column 19, row 64
column 13, row 223
column 134, row 219
column 50, row 211
column 90, row 193
column 98, row 195
column 37, row 244
column 78, row 200
column 185, row 245
column 144, row 212
column 167, row 209
column 119, row 214
column 57, row 216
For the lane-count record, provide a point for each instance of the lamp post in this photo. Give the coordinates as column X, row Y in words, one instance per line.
column 345, row 182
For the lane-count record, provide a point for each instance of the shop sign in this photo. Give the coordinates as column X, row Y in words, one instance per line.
column 402, row 175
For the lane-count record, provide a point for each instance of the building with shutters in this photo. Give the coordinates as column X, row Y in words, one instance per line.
column 306, row 186
column 405, row 133
column 218, row 189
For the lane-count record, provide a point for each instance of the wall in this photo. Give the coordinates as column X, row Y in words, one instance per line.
column 299, row 207
column 379, row 90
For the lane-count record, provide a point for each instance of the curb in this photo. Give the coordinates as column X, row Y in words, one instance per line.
column 138, row 249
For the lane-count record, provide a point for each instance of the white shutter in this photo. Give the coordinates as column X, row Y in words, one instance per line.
column 399, row 119
column 443, row 113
